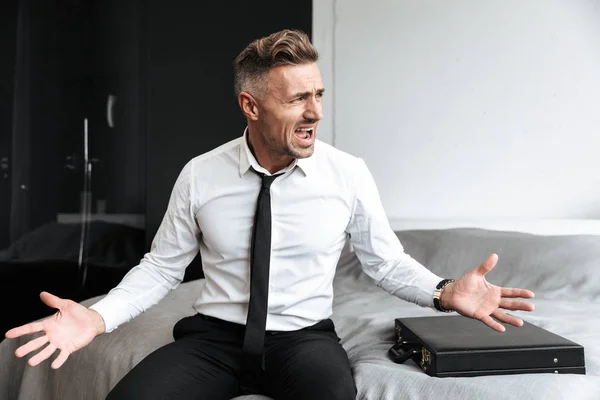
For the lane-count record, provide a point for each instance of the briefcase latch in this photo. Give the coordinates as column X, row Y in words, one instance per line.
column 425, row 359
column 399, row 334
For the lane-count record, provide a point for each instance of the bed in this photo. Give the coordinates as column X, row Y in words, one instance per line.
column 558, row 260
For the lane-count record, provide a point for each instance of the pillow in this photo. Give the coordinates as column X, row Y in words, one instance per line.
column 554, row 267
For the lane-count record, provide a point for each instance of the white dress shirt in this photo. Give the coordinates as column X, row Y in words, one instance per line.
column 316, row 205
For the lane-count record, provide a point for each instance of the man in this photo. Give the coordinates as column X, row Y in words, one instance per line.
column 270, row 213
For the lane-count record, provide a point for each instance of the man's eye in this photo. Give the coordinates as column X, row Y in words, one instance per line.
column 319, row 95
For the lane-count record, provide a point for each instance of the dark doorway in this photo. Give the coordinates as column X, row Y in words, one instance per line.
column 154, row 81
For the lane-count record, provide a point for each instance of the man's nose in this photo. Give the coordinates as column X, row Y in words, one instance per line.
column 314, row 111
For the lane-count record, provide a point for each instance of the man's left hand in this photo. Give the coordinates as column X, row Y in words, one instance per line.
column 473, row 296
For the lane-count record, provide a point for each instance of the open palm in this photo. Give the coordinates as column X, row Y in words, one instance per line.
column 71, row 328
column 473, row 296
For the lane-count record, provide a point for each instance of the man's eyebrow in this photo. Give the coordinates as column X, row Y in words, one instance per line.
column 307, row 93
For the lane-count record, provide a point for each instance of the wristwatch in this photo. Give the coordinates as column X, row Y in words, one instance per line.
column 437, row 293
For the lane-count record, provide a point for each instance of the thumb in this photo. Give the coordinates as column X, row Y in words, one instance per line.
column 487, row 265
column 51, row 300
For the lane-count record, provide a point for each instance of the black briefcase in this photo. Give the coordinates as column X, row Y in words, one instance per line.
column 457, row 346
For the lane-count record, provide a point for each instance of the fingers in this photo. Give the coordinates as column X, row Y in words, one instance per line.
column 489, row 321
column 25, row 330
column 60, row 360
column 51, row 300
column 488, row 264
column 516, row 305
column 30, row 346
column 506, row 318
column 42, row 355
column 514, row 292
column 502, row 317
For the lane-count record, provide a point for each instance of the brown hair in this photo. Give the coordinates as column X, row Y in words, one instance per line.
column 286, row 47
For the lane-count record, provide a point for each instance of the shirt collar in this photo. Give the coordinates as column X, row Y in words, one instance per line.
column 247, row 160
column 245, row 154
column 307, row 165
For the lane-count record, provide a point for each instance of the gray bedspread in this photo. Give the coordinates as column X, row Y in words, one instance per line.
column 564, row 271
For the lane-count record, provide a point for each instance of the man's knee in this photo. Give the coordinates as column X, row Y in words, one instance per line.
column 345, row 390
column 337, row 387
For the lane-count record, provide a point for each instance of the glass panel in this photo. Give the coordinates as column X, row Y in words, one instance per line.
column 72, row 200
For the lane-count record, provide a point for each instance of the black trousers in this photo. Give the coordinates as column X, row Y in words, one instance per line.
column 204, row 362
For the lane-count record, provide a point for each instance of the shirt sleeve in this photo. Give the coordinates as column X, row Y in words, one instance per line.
column 162, row 269
column 379, row 249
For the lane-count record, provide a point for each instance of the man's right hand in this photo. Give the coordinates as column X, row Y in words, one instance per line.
column 70, row 329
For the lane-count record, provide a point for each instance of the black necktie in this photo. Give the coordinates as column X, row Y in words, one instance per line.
column 260, row 257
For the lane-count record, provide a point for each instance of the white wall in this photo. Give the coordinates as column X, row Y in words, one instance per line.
column 467, row 109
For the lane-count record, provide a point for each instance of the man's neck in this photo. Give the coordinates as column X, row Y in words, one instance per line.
column 265, row 157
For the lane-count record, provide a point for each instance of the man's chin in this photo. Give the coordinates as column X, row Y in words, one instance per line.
column 304, row 152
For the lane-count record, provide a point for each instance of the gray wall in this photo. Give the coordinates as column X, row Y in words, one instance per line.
column 467, row 109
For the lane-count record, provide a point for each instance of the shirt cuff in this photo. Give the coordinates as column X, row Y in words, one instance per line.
column 112, row 310
column 425, row 295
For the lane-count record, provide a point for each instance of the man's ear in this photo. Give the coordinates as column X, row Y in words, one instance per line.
column 248, row 105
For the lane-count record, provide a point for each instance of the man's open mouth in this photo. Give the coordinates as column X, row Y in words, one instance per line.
column 304, row 133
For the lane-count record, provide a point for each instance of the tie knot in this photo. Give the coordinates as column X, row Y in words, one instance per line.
column 267, row 180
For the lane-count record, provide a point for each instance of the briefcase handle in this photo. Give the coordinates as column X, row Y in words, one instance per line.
column 402, row 351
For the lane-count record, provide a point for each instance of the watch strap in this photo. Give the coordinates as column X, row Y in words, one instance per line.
column 437, row 293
